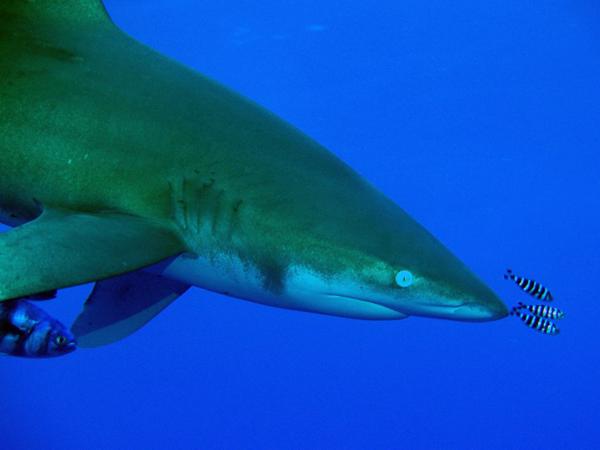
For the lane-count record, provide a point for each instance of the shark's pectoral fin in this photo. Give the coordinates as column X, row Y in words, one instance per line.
column 63, row 248
column 122, row 305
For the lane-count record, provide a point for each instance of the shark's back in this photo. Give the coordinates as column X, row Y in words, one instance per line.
column 92, row 104
column 113, row 124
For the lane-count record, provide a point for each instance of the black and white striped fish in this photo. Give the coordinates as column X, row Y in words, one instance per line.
column 540, row 324
column 532, row 287
column 545, row 311
column 28, row 331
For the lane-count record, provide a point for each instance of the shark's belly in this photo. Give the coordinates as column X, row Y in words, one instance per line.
column 302, row 290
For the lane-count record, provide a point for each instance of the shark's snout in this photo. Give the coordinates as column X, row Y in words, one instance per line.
column 496, row 309
column 455, row 294
column 484, row 304
column 476, row 310
column 483, row 309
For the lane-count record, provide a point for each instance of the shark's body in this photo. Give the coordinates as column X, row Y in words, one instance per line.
column 132, row 159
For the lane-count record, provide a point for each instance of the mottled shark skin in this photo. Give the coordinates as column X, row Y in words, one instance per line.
column 143, row 159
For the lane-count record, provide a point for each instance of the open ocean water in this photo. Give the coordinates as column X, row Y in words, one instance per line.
column 482, row 120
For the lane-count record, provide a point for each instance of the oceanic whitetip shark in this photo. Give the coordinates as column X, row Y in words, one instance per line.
column 122, row 167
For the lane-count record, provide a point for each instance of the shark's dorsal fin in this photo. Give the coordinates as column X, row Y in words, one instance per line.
column 67, row 12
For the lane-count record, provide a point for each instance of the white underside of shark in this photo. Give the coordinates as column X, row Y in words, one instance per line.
column 304, row 290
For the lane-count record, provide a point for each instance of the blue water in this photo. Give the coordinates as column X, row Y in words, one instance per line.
column 482, row 120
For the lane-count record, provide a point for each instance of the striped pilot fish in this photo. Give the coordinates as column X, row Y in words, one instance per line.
column 540, row 324
column 545, row 311
column 532, row 287
column 28, row 331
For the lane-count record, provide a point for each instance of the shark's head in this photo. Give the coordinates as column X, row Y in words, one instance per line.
column 382, row 264
column 315, row 236
column 459, row 295
column 371, row 288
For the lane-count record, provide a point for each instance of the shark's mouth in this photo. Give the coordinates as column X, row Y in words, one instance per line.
column 457, row 310
column 453, row 310
column 356, row 307
column 366, row 303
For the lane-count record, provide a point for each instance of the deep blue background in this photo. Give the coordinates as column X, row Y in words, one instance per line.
column 482, row 120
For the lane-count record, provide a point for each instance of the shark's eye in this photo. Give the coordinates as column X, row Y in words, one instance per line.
column 404, row 278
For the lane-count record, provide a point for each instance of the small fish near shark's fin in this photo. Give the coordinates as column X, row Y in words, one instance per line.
column 122, row 305
column 64, row 248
